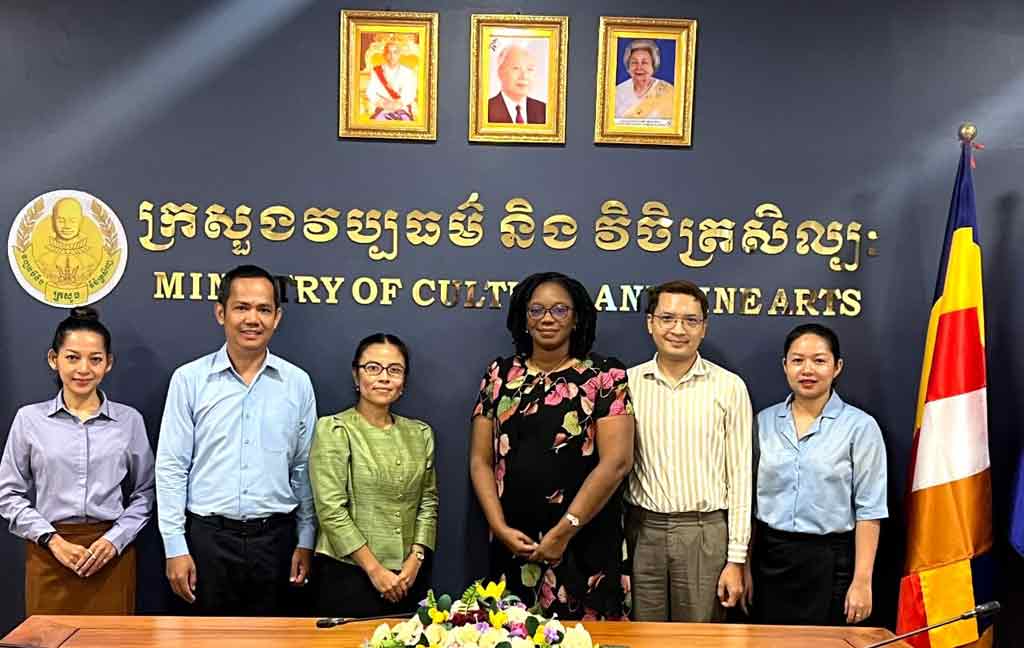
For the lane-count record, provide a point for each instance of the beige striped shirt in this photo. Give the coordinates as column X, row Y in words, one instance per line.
column 693, row 445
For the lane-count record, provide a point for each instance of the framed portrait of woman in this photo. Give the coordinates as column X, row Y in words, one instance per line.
column 388, row 85
column 645, row 69
column 517, row 78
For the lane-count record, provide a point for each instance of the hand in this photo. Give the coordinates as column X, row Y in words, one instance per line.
column 96, row 557
column 388, row 583
column 410, row 570
column 516, row 541
column 747, row 601
column 181, row 574
column 626, row 582
column 858, row 601
column 67, row 553
column 301, row 566
column 551, row 548
column 730, row 585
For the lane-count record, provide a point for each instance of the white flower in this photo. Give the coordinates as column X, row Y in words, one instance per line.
column 516, row 614
column 577, row 637
column 380, row 635
column 493, row 637
column 466, row 634
column 555, row 624
column 408, row 631
column 436, row 633
column 520, row 642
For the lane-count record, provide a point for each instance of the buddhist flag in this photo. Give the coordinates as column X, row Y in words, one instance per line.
column 949, row 503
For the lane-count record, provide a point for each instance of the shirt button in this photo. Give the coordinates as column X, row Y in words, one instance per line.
column 245, row 490
column 247, row 442
column 398, row 462
column 398, row 515
column 398, row 532
column 245, row 465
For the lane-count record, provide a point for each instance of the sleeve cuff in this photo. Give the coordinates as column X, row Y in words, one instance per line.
column 737, row 553
column 175, row 546
column 116, row 537
column 307, row 536
column 872, row 514
column 425, row 537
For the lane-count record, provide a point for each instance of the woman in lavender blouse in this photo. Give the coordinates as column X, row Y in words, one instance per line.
column 90, row 464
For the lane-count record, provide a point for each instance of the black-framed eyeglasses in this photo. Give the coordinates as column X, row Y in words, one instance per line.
column 394, row 370
column 668, row 321
column 558, row 311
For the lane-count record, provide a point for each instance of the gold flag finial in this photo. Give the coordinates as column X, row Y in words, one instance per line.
column 968, row 131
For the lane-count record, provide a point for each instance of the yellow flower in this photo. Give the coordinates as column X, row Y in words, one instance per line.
column 539, row 638
column 498, row 619
column 493, row 590
column 438, row 616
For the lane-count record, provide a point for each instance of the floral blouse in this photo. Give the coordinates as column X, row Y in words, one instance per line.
column 544, row 449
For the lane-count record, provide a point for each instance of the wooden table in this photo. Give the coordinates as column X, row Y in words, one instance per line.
column 211, row 632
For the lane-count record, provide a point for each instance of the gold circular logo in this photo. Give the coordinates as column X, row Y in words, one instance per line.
column 67, row 248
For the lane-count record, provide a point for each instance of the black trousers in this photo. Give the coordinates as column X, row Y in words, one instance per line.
column 801, row 578
column 242, row 568
column 344, row 590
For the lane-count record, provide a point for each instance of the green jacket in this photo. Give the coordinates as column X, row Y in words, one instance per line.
column 373, row 486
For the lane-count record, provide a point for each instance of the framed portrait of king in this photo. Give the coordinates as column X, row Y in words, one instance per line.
column 388, row 85
column 645, row 70
column 517, row 78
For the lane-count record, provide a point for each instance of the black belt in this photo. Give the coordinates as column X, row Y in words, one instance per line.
column 252, row 526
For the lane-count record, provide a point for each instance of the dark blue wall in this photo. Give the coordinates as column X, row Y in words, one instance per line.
column 834, row 111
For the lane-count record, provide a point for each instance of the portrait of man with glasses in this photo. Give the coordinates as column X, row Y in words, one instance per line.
column 688, row 497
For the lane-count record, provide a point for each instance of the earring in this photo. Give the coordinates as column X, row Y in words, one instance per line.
column 357, row 387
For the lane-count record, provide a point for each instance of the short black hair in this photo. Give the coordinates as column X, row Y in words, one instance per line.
column 381, row 338
column 679, row 287
column 813, row 328
column 581, row 340
column 82, row 318
column 245, row 272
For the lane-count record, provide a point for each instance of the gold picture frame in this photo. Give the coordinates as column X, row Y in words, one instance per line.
column 388, row 82
column 517, row 78
column 645, row 99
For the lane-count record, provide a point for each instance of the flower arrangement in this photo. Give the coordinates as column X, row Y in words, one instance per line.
column 484, row 617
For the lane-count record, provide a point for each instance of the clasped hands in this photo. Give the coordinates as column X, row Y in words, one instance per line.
column 395, row 587
column 549, row 550
column 83, row 561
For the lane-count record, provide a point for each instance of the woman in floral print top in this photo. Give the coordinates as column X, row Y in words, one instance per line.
column 552, row 441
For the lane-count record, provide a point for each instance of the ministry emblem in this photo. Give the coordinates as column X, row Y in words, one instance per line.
column 67, row 248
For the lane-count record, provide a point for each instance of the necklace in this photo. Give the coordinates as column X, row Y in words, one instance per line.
column 531, row 363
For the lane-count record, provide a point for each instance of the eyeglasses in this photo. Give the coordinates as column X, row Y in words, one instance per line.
column 667, row 321
column 558, row 311
column 375, row 368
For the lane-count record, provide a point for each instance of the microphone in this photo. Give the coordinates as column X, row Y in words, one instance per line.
column 979, row 611
column 330, row 622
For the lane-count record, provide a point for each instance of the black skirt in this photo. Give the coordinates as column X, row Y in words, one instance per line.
column 801, row 578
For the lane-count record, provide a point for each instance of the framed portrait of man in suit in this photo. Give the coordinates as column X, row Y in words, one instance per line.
column 645, row 70
column 517, row 78
column 388, row 85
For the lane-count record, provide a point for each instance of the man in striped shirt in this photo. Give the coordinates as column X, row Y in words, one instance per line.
column 688, row 520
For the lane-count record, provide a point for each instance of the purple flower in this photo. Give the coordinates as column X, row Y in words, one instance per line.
column 550, row 635
column 483, row 626
column 517, row 630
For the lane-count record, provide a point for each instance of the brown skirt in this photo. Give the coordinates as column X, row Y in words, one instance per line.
column 52, row 588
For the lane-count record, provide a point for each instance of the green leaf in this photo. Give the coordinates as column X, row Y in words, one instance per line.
column 571, row 423
column 530, row 575
column 469, row 596
column 531, row 625
column 504, row 644
column 431, row 601
column 444, row 603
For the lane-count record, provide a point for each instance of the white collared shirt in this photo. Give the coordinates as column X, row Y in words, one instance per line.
column 693, row 445
column 511, row 107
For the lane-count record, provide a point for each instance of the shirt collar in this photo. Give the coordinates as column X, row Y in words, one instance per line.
column 511, row 106
column 221, row 362
column 832, row 408
column 652, row 370
column 58, row 405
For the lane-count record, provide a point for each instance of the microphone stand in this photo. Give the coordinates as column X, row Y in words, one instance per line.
column 330, row 622
column 980, row 611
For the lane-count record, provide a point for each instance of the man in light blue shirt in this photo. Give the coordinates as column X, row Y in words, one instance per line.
column 235, row 503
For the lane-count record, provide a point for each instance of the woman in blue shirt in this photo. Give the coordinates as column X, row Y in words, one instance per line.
column 89, row 462
column 821, row 494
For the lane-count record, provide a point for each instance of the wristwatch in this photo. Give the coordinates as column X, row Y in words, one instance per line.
column 420, row 556
column 44, row 540
column 573, row 520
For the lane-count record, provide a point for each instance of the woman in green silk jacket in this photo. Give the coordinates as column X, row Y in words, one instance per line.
column 375, row 490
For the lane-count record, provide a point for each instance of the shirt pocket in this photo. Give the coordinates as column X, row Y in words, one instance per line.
column 278, row 430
